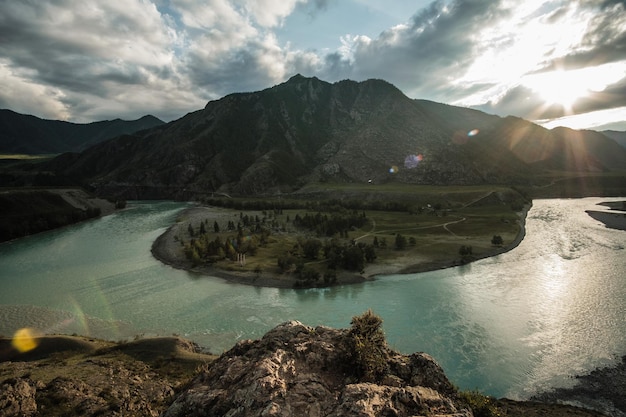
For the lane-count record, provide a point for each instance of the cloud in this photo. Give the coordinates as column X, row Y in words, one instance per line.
column 94, row 52
column 603, row 40
column 421, row 56
column 22, row 95
column 587, row 38
column 269, row 13
column 90, row 60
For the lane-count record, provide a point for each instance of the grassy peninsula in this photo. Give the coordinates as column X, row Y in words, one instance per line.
column 338, row 233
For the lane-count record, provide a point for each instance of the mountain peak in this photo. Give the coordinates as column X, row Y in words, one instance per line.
column 299, row 78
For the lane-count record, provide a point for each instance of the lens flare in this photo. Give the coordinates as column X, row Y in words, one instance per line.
column 412, row 161
column 473, row 132
column 393, row 169
column 25, row 340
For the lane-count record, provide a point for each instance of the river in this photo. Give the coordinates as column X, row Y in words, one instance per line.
column 510, row 325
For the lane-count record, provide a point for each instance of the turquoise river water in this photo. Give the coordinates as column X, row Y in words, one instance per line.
column 511, row 325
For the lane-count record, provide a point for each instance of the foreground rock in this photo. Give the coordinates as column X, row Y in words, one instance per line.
column 296, row 370
column 74, row 376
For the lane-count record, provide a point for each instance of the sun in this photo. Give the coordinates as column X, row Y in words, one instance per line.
column 566, row 87
column 559, row 87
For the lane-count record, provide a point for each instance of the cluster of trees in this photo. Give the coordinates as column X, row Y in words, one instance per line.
column 337, row 223
column 336, row 255
column 326, row 205
column 204, row 247
column 314, row 260
column 401, row 241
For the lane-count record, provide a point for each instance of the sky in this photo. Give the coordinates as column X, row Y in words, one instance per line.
column 554, row 62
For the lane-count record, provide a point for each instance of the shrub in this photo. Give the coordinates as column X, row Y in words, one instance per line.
column 369, row 346
column 481, row 405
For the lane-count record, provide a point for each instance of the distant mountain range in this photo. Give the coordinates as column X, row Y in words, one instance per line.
column 307, row 130
column 619, row 137
column 25, row 134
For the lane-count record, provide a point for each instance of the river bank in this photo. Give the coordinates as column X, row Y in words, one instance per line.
column 26, row 211
column 167, row 248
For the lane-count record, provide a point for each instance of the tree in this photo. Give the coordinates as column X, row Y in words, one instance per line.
column 330, row 277
column 400, row 242
column 370, row 253
column 190, row 230
column 353, row 259
column 311, row 248
column 309, row 275
column 216, row 227
column 285, row 262
column 465, row 250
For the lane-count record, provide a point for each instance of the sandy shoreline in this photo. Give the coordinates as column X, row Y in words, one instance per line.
column 167, row 249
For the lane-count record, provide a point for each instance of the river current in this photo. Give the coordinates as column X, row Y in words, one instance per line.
column 511, row 325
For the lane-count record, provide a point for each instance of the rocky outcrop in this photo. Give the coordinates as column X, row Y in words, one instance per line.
column 73, row 376
column 17, row 397
column 296, row 370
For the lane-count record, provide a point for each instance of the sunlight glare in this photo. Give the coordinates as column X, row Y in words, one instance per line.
column 558, row 87
column 565, row 87
column 593, row 120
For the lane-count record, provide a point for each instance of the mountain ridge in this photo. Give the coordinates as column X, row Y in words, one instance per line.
column 307, row 130
column 28, row 134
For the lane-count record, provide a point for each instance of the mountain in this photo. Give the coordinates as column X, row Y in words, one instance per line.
column 619, row 137
column 307, row 130
column 25, row 134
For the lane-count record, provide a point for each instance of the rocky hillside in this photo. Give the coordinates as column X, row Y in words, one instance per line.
column 307, row 130
column 25, row 134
